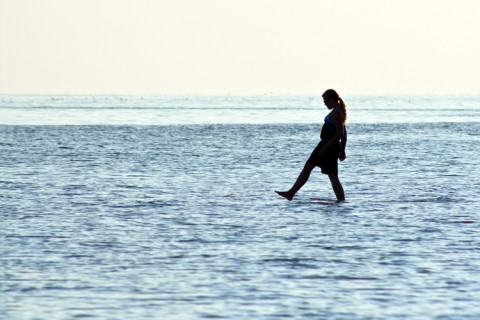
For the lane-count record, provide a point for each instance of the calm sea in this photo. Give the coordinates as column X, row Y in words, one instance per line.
column 163, row 207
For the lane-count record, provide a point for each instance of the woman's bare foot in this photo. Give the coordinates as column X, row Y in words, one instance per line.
column 287, row 195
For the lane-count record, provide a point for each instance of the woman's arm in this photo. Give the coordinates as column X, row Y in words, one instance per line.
column 343, row 142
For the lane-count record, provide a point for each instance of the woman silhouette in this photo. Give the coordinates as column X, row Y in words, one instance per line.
column 333, row 139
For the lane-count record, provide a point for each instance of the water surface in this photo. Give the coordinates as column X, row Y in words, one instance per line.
column 180, row 221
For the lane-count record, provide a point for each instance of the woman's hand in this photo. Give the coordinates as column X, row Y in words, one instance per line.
column 342, row 156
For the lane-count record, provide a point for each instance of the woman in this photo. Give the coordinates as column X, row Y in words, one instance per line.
column 333, row 139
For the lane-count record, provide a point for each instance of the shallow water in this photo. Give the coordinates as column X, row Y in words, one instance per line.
column 181, row 222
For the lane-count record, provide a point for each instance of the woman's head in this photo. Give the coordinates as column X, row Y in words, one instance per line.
column 332, row 99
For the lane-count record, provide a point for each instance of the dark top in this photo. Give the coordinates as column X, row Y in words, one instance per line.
column 328, row 129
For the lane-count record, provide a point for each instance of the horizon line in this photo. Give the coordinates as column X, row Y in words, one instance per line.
column 244, row 94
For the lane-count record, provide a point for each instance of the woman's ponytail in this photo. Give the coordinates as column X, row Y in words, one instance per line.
column 344, row 108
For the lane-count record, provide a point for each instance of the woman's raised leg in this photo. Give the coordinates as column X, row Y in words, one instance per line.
column 301, row 180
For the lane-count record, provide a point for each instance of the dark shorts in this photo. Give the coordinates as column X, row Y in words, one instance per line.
column 329, row 161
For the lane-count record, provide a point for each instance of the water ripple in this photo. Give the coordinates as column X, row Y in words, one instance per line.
column 181, row 222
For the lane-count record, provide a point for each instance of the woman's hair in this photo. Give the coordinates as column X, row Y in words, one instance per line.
column 332, row 94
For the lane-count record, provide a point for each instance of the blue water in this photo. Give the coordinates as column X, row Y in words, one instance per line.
column 163, row 208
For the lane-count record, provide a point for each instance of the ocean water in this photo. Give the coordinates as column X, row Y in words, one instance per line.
column 164, row 208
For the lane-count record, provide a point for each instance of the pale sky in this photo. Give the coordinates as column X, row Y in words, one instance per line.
column 239, row 46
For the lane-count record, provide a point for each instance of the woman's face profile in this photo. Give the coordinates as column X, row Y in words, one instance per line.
column 330, row 103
